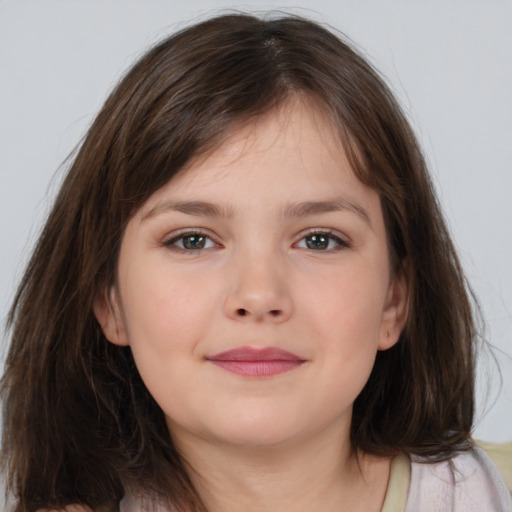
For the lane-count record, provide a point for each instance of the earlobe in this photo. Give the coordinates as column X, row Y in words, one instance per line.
column 395, row 311
column 108, row 314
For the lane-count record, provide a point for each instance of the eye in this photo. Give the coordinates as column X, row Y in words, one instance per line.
column 321, row 241
column 192, row 241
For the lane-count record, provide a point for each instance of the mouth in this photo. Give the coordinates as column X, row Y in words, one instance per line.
column 253, row 362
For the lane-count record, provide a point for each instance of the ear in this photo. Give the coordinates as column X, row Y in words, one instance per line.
column 396, row 309
column 109, row 315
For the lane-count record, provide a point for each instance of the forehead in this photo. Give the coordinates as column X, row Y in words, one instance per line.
column 290, row 160
column 297, row 134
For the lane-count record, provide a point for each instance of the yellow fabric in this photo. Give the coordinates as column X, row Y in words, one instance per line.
column 501, row 455
column 398, row 485
column 400, row 474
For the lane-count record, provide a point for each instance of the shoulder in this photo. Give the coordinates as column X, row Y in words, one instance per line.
column 501, row 456
column 469, row 480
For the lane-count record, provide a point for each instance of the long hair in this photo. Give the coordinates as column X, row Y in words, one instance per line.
column 79, row 426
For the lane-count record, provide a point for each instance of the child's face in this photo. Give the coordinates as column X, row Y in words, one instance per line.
column 268, row 242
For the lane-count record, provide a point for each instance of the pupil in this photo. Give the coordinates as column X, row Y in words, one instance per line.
column 317, row 242
column 194, row 242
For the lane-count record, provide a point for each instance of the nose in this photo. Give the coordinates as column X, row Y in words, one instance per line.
column 259, row 291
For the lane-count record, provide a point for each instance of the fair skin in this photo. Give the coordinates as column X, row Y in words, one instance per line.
column 270, row 241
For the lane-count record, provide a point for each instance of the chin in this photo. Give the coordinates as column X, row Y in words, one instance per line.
column 256, row 431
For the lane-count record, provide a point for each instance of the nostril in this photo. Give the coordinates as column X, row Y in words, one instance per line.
column 245, row 312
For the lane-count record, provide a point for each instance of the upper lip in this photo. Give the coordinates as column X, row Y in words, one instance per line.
column 255, row 354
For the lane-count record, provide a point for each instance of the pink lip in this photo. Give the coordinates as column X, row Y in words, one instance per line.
column 252, row 362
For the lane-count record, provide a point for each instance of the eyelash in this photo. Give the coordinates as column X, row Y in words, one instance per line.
column 328, row 234
column 171, row 243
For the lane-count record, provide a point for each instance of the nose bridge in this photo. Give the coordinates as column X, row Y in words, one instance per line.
column 259, row 289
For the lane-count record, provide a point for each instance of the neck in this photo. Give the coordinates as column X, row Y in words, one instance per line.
column 297, row 477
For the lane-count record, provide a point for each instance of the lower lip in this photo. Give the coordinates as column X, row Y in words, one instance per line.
column 257, row 368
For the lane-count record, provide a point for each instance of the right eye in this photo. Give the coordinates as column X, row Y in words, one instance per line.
column 193, row 241
column 322, row 241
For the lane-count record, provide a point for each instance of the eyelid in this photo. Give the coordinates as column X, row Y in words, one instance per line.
column 343, row 240
column 170, row 240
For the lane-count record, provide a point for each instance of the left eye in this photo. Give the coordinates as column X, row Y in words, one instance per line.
column 191, row 242
column 321, row 242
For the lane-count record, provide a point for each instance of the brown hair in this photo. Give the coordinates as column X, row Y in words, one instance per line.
column 79, row 425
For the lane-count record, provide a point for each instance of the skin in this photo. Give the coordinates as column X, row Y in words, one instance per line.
column 279, row 442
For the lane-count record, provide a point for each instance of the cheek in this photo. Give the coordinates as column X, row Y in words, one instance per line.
column 346, row 321
column 165, row 310
column 343, row 313
column 166, row 316
column 345, row 305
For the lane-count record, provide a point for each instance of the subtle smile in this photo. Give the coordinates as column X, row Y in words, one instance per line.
column 253, row 362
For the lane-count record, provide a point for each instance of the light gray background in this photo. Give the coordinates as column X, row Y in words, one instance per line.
column 448, row 61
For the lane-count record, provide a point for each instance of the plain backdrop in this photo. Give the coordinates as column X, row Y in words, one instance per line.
column 448, row 61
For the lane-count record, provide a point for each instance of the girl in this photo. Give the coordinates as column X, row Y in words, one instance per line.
column 245, row 297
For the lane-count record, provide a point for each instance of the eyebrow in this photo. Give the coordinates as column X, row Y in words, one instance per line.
column 197, row 208
column 305, row 208
column 301, row 209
